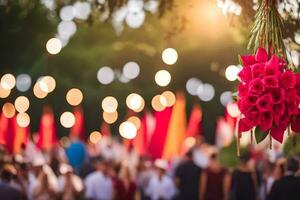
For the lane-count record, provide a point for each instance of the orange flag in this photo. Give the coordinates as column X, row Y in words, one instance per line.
column 194, row 125
column 21, row 137
column 176, row 129
column 77, row 131
column 140, row 142
column 47, row 132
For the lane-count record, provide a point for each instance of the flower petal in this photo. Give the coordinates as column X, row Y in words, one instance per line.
column 277, row 132
column 261, row 55
column 244, row 125
column 248, row 60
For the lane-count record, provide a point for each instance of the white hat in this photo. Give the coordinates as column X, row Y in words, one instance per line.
column 160, row 163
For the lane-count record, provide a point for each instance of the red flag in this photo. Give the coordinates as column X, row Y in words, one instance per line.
column 21, row 137
column 194, row 125
column 47, row 132
column 3, row 128
column 105, row 129
column 160, row 132
column 140, row 142
column 77, row 131
column 7, row 132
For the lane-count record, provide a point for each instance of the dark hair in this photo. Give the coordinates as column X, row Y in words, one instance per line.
column 6, row 175
column 214, row 156
column 244, row 158
column 189, row 154
column 292, row 164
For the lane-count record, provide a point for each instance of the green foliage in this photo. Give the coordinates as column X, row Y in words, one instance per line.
column 292, row 145
column 228, row 155
column 260, row 135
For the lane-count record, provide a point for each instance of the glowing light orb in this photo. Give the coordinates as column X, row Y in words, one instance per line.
column 231, row 72
column 22, row 104
column 95, row 137
column 47, row 84
column 8, row 110
column 110, row 118
column 170, row 98
column 156, row 103
column 193, row 85
column 8, row 81
column 131, row 70
column 206, row 93
column 3, row 92
column 74, row 97
column 136, row 121
column 66, row 29
column 66, row 13
column 38, row 92
column 233, row 110
column 105, row 75
column 189, row 142
column 226, row 98
column 135, row 19
column 23, row 119
column 162, row 78
column 169, row 56
column 109, row 104
column 134, row 101
column 67, row 119
column 53, row 46
column 82, row 10
column 128, row 130
column 23, row 82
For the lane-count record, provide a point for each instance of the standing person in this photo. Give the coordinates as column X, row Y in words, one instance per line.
column 243, row 181
column 129, row 187
column 7, row 191
column 187, row 177
column 288, row 187
column 70, row 185
column 98, row 184
column 161, row 186
column 214, row 182
column 42, row 189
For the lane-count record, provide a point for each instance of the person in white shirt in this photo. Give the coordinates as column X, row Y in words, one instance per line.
column 98, row 184
column 161, row 186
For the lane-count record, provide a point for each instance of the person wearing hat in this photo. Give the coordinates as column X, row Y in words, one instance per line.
column 288, row 187
column 161, row 186
column 70, row 185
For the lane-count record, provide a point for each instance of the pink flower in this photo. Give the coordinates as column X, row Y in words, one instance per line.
column 288, row 79
column 265, row 103
column 245, row 74
column 245, row 102
column 273, row 66
column 242, row 89
column 256, row 86
column 292, row 108
column 258, row 70
column 291, row 95
column 277, row 95
column 278, row 111
column 261, row 55
column 277, row 132
column 266, row 121
column 271, row 81
column 244, row 125
column 248, row 60
column 253, row 115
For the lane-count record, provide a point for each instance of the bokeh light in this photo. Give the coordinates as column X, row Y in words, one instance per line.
column 82, row 10
column 8, row 81
column 38, row 92
column 109, row 104
column 23, row 119
column 134, row 101
column 23, row 82
column 226, row 98
column 67, row 119
column 231, row 72
column 170, row 98
column 105, row 75
column 162, row 78
column 189, row 142
column 131, row 70
column 193, row 85
column 156, row 103
column 135, row 19
column 53, row 46
column 136, row 121
column 127, row 130
column 206, row 93
column 47, row 84
column 8, row 110
column 169, row 56
column 95, row 137
column 22, row 104
column 66, row 13
column 233, row 109
column 110, row 118
column 74, row 97
column 3, row 92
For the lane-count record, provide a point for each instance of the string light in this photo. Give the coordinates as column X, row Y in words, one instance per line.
column 38, row 92
column 169, row 97
column 156, row 103
column 8, row 81
column 109, row 104
column 136, row 121
column 169, row 56
column 22, row 104
column 162, row 78
column 95, row 137
column 53, row 46
column 23, row 120
column 8, row 110
column 74, row 97
column 127, row 130
column 110, row 118
column 3, row 92
column 67, row 119
column 134, row 101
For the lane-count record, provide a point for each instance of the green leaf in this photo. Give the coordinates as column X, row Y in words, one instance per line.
column 240, row 60
column 260, row 135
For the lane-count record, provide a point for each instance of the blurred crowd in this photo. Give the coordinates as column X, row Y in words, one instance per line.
column 108, row 171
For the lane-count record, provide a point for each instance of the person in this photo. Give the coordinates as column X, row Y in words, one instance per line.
column 288, row 187
column 187, row 176
column 214, row 182
column 161, row 186
column 7, row 191
column 243, row 181
column 70, row 185
column 128, row 186
column 42, row 189
column 98, row 184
